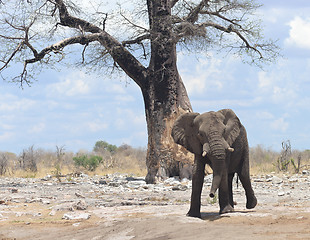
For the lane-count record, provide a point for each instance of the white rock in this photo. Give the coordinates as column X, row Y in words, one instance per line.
column 76, row 224
column 277, row 180
column 52, row 213
column 76, row 216
column 80, row 205
column 292, row 180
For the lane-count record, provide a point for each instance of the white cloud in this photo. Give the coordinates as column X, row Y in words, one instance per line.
column 279, row 125
column 273, row 14
column 299, row 33
column 6, row 136
column 277, row 86
column 126, row 116
column 263, row 80
column 97, row 125
column 10, row 103
column 38, row 128
column 285, row 95
column 264, row 115
column 205, row 76
column 116, row 88
column 76, row 83
column 224, row 103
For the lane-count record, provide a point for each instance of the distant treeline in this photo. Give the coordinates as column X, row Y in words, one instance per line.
column 106, row 157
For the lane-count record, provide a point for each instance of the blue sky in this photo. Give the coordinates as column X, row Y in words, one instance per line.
column 75, row 109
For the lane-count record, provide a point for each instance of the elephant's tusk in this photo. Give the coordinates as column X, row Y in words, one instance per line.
column 230, row 149
column 204, row 153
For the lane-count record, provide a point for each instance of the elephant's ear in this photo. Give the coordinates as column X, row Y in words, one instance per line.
column 232, row 125
column 185, row 134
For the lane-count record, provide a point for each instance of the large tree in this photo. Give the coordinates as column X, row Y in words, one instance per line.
column 140, row 38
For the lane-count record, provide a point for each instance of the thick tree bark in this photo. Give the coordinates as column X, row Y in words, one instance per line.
column 164, row 95
column 164, row 157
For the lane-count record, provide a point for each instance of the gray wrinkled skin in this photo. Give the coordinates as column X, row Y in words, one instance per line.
column 220, row 140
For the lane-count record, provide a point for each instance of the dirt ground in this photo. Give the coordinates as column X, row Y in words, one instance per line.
column 277, row 216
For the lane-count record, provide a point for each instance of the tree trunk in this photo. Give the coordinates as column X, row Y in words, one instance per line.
column 164, row 95
column 164, row 157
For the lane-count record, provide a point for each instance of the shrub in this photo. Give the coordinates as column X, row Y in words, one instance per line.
column 88, row 162
column 102, row 146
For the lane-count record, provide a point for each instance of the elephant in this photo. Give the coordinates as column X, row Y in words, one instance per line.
column 219, row 140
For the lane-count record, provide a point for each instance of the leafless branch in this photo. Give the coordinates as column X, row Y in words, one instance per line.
column 67, row 20
column 231, row 29
column 193, row 15
column 83, row 53
column 60, row 45
column 6, row 62
column 138, row 40
column 133, row 24
column 173, row 2
column 232, row 21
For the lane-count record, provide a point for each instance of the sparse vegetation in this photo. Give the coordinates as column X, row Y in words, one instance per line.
column 3, row 163
column 88, row 162
column 266, row 160
column 107, row 158
column 213, row 200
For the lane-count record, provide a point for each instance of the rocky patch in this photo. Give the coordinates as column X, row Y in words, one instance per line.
column 87, row 202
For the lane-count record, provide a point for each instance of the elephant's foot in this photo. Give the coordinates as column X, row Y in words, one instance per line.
column 227, row 209
column 251, row 202
column 193, row 214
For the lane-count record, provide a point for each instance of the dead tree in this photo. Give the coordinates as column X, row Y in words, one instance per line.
column 4, row 163
column 285, row 157
column 28, row 160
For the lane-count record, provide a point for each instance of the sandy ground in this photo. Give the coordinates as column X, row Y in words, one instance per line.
column 275, row 217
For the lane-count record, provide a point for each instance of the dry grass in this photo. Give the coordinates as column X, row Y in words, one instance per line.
column 262, row 168
column 131, row 161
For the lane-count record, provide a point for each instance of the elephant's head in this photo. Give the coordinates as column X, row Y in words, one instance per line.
column 209, row 135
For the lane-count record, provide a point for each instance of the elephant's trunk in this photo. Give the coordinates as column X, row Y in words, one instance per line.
column 217, row 156
column 218, row 169
column 215, row 184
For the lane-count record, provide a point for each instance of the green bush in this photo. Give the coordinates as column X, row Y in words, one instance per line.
column 102, row 146
column 88, row 162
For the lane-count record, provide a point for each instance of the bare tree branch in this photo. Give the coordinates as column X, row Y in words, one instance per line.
column 6, row 62
column 173, row 2
column 138, row 40
column 193, row 15
column 191, row 23
column 124, row 59
column 60, row 45
column 230, row 29
column 67, row 20
column 133, row 24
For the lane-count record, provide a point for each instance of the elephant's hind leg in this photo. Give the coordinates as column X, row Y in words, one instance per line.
column 230, row 191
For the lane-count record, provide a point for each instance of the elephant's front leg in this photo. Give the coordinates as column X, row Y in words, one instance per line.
column 224, row 195
column 197, row 182
column 244, row 177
